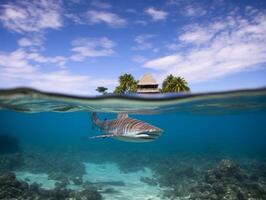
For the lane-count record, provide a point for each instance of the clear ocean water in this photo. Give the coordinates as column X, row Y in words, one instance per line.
column 213, row 146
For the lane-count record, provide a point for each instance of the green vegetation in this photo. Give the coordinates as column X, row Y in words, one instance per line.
column 127, row 84
column 175, row 84
column 102, row 90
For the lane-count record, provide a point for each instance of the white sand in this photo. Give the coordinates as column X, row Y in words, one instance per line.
column 134, row 189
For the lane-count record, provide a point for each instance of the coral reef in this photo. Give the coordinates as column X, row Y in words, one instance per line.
column 64, row 167
column 227, row 180
column 180, row 178
column 11, row 188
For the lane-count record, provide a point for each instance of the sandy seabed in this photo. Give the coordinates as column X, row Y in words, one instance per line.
column 113, row 184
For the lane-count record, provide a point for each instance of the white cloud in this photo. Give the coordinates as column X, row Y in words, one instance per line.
column 15, row 64
column 163, row 62
column 198, row 35
column 20, row 68
column 74, row 17
column 157, row 15
column 143, row 42
column 217, row 49
column 172, row 46
column 31, row 16
column 193, row 11
column 100, row 4
column 21, row 57
column 141, row 22
column 109, row 18
column 91, row 47
column 58, row 60
column 173, row 2
column 139, row 59
column 67, row 82
column 29, row 41
column 190, row 8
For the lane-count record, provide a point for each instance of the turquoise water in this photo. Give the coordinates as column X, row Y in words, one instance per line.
column 213, row 147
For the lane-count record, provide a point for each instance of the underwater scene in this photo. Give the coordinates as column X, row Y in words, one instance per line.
column 133, row 147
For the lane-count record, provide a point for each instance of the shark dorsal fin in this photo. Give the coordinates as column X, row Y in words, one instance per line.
column 122, row 116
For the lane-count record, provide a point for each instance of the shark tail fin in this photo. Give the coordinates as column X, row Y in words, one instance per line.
column 95, row 120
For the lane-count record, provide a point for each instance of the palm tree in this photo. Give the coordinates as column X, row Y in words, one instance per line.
column 180, row 85
column 167, row 83
column 175, row 84
column 127, row 83
column 102, row 89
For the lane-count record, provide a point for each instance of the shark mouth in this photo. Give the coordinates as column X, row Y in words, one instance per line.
column 148, row 135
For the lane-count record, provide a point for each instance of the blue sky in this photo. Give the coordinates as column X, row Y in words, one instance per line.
column 76, row 45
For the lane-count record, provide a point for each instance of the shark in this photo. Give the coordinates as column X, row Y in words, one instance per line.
column 126, row 129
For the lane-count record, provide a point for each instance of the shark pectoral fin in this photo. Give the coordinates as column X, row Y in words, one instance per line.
column 102, row 136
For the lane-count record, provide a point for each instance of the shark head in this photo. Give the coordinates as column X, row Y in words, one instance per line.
column 143, row 133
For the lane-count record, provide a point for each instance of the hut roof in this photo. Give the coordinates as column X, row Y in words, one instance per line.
column 147, row 79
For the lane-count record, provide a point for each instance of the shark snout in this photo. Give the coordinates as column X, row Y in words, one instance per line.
column 156, row 130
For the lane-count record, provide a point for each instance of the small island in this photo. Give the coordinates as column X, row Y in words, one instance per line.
column 147, row 85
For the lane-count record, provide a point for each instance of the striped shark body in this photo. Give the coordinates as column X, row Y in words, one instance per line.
column 126, row 129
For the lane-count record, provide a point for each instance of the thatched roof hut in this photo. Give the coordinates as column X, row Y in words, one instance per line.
column 147, row 84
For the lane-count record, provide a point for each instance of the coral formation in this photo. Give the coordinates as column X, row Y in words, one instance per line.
column 227, row 180
column 11, row 188
column 64, row 167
